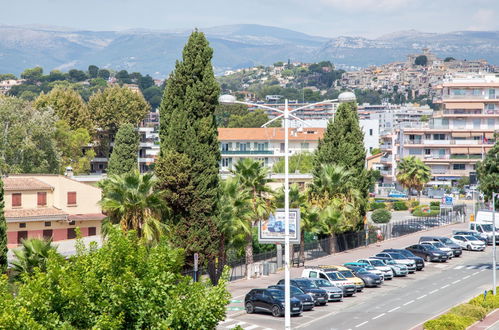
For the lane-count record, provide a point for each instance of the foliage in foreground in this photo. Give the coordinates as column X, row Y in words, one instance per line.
column 381, row 216
column 123, row 285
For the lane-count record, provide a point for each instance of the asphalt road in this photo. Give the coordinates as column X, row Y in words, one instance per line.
column 401, row 303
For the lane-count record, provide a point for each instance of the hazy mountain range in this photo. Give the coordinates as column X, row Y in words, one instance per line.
column 236, row 46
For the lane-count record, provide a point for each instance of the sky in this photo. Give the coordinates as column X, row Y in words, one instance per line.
column 328, row 18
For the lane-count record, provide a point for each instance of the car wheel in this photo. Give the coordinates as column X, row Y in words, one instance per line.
column 250, row 309
column 323, row 304
column 276, row 311
column 468, row 247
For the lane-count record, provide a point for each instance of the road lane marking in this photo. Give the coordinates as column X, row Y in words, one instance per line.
column 475, row 273
column 393, row 309
column 445, row 286
column 434, row 291
column 457, row 281
column 421, row 297
column 483, row 267
column 359, row 325
column 377, row 317
column 409, row 302
column 483, row 270
column 458, row 267
column 466, row 277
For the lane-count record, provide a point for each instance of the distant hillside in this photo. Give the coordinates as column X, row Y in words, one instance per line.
column 236, row 46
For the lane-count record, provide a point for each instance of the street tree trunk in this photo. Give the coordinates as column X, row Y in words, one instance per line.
column 332, row 243
column 249, row 255
column 302, row 246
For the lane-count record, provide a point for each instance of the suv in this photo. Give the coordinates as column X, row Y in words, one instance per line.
column 428, row 252
column 441, row 247
column 398, row 258
column 306, row 300
column 333, row 276
column 335, row 293
column 370, row 280
column 409, row 255
column 320, row 296
column 270, row 300
column 456, row 249
column 367, row 267
column 379, row 265
column 347, row 273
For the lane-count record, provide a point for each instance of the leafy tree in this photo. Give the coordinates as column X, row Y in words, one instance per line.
column 33, row 75
column 123, row 285
column 488, row 172
column 381, row 216
column 298, row 163
column 77, row 75
column 56, row 75
column 421, row 60
column 188, row 166
column 3, row 233
column 7, row 76
column 449, row 59
column 153, row 95
column 126, row 147
column 412, row 173
column 104, row 74
column 129, row 200
column 375, row 151
column 123, row 77
column 93, row 71
column 424, row 118
column 224, row 112
column 463, row 181
column 252, row 119
column 68, row 106
column 74, row 147
column 33, row 254
column 145, row 82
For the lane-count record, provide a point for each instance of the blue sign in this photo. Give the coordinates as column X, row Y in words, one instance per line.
column 448, row 200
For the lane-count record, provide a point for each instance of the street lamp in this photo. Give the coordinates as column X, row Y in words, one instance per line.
column 286, row 114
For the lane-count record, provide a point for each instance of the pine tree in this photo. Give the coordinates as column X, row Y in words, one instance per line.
column 3, row 233
column 188, row 166
column 126, row 147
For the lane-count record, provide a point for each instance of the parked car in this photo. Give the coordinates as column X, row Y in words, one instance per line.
column 397, row 194
column 409, row 255
column 335, row 293
column 398, row 258
column 367, row 267
column 380, row 265
column 307, row 300
column 333, row 276
column 456, row 249
column 271, row 301
column 481, row 236
column 320, row 296
column 485, row 230
column 370, row 280
column 441, row 247
column 399, row 270
column 347, row 273
column 428, row 252
column 469, row 243
column 399, row 229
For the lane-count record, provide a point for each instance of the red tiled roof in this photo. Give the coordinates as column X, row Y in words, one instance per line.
column 22, row 184
column 269, row 134
column 27, row 213
column 375, row 156
column 89, row 216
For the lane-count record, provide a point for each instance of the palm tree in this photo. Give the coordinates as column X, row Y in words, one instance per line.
column 33, row 254
column 412, row 173
column 253, row 176
column 130, row 201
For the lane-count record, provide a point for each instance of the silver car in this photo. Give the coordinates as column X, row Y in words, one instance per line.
column 398, row 269
column 334, row 293
column 471, row 243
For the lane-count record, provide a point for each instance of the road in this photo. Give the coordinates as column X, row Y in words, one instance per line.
column 401, row 303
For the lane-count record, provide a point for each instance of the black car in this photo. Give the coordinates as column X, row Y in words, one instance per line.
column 320, row 296
column 456, row 249
column 270, row 300
column 428, row 252
column 409, row 255
column 370, row 280
column 306, row 300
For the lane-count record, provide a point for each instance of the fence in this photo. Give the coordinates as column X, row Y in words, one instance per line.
column 346, row 241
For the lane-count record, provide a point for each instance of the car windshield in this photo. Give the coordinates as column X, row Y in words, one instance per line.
column 377, row 263
column 335, row 276
column 397, row 256
column 295, row 291
column 277, row 294
column 471, row 238
column 361, row 270
column 430, row 247
column 446, row 240
column 407, row 253
column 368, row 267
column 346, row 273
column 390, row 262
column 487, row 227
column 323, row 283
column 438, row 245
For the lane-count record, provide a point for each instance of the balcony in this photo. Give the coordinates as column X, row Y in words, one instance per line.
column 247, row 152
column 385, row 147
column 465, row 156
column 448, row 142
column 386, row 159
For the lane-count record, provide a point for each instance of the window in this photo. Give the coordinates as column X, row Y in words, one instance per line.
column 22, row 225
column 71, row 197
column 42, row 198
column 438, row 136
column 48, row 223
column 492, row 93
column 21, row 235
column 490, row 106
column 413, row 151
column 71, row 233
column 313, row 274
column 226, row 162
column 371, row 132
column 491, row 122
column 226, row 146
column 16, row 199
column 459, row 167
column 72, row 223
column 92, row 231
column 47, row 233
column 427, row 151
column 304, row 146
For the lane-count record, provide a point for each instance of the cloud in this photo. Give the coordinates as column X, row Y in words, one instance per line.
column 483, row 19
column 367, row 5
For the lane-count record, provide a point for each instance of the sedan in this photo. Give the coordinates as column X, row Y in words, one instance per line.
column 409, row 255
column 468, row 242
column 367, row 267
column 428, row 252
column 398, row 258
column 397, row 194
column 306, row 285
column 270, row 300
column 306, row 299
column 441, row 247
column 380, row 265
column 398, row 269
column 370, row 280
column 335, row 293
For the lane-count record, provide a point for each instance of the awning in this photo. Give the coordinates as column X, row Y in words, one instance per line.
column 461, row 134
column 487, row 149
column 458, row 150
column 476, row 133
column 467, row 106
column 476, row 150
column 489, row 135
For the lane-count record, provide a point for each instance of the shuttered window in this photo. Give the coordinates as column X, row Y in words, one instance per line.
column 42, row 198
column 72, row 198
column 16, row 199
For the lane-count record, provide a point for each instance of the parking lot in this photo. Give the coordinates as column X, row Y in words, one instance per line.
column 401, row 303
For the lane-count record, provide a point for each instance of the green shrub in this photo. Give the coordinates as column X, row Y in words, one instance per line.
column 437, row 203
column 400, row 206
column 420, row 213
column 414, row 203
column 489, row 303
column 381, row 216
column 476, row 312
column 449, row 322
column 434, row 207
column 377, row 206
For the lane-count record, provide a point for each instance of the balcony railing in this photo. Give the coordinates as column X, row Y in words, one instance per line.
column 449, row 142
column 247, row 152
column 465, row 156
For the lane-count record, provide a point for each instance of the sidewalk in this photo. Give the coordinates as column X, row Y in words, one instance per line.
column 239, row 288
column 491, row 322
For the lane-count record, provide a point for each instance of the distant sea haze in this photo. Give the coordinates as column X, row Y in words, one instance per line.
column 235, row 46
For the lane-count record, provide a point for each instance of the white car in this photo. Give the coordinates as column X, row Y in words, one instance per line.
column 468, row 242
column 379, row 265
column 441, row 247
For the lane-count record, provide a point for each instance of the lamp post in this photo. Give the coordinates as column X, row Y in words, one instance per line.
column 286, row 114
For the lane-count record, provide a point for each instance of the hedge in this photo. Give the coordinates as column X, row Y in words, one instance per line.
column 414, row 203
column 381, row 216
column 449, row 322
column 400, row 206
column 437, row 203
column 377, row 206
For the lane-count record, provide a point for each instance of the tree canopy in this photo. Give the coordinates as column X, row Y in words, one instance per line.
column 125, row 151
column 488, row 173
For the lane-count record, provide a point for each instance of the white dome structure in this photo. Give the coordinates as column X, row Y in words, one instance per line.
column 347, row 97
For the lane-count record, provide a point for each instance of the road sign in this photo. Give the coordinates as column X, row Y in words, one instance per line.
column 271, row 230
column 448, row 200
column 196, row 259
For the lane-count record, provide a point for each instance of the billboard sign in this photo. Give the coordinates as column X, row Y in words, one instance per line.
column 271, row 230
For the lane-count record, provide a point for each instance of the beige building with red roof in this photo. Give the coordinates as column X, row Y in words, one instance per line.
column 50, row 206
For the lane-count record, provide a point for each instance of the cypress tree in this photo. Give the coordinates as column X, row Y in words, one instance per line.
column 188, row 166
column 126, row 147
column 3, row 233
